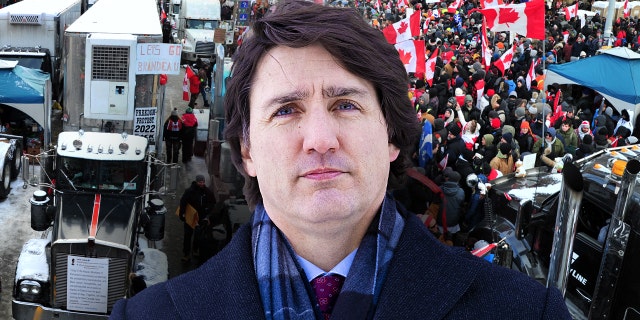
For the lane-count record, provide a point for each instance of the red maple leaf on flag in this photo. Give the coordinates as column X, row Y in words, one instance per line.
column 403, row 27
column 405, row 57
column 507, row 15
column 508, row 57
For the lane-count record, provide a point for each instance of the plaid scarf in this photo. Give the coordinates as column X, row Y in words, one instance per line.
column 283, row 287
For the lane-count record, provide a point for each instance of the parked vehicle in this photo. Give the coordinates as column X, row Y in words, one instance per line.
column 197, row 22
column 578, row 230
column 98, row 216
column 32, row 32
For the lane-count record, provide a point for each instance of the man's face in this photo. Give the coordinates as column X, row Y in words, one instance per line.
column 565, row 127
column 585, row 129
column 201, row 184
column 318, row 142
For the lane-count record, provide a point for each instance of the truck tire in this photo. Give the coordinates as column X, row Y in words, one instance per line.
column 16, row 162
column 5, row 184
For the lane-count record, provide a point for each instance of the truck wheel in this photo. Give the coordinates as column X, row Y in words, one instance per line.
column 5, row 185
column 16, row 163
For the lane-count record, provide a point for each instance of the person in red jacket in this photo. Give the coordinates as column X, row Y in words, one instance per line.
column 194, row 88
column 189, row 127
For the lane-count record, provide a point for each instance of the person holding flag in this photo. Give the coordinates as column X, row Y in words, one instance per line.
column 193, row 81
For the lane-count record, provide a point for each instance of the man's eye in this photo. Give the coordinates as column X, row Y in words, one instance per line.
column 284, row 111
column 346, row 105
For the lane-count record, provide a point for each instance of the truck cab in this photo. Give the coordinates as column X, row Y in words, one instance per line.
column 197, row 23
column 91, row 214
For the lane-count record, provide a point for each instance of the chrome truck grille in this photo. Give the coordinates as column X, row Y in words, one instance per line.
column 117, row 283
column 205, row 47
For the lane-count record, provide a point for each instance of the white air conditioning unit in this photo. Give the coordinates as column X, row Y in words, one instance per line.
column 110, row 78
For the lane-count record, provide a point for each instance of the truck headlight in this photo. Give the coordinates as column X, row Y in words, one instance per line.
column 30, row 290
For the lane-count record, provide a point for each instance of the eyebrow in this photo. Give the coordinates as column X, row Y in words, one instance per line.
column 330, row 92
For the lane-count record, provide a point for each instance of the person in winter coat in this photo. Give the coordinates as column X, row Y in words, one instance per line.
column 548, row 149
column 586, row 147
column 486, row 148
column 455, row 145
column 568, row 136
column 202, row 200
column 503, row 161
column 624, row 121
column 172, row 134
column 525, row 138
column 584, row 129
column 189, row 134
column 194, row 89
column 454, row 196
column 470, row 130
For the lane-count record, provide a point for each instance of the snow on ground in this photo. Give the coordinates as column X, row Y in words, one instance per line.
column 15, row 230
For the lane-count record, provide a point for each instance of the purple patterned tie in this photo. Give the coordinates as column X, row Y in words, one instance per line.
column 327, row 288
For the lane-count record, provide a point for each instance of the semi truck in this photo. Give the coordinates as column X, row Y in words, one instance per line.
column 197, row 22
column 32, row 33
column 97, row 201
column 577, row 229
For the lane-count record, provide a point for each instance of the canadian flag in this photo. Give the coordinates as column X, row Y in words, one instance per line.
column 479, row 86
column 430, row 68
column 625, row 9
column 532, row 73
column 425, row 26
column 453, row 7
column 570, row 12
column 185, row 83
column 504, row 62
column 377, row 5
column 404, row 29
column 525, row 19
column 403, row 3
column 412, row 54
column 490, row 3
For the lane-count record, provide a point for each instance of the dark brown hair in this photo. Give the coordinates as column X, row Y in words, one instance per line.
column 359, row 48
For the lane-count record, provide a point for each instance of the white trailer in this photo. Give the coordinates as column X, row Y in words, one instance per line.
column 32, row 33
column 102, row 89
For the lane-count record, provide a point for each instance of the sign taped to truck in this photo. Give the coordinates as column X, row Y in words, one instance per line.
column 158, row 58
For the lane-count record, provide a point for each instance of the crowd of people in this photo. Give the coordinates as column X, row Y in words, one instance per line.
column 469, row 138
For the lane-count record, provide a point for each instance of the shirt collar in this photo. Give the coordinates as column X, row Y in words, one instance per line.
column 312, row 271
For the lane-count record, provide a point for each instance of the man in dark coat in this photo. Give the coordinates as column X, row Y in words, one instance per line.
column 202, row 200
column 455, row 145
column 322, row 144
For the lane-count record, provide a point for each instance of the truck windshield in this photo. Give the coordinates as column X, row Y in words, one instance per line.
column 176, row 8
column 117, row 176
column 202, row 24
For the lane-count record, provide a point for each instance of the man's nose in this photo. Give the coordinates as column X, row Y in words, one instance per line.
column 320, row 131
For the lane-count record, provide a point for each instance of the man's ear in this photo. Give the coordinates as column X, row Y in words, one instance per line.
column 247, row 161
column 393, row 152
